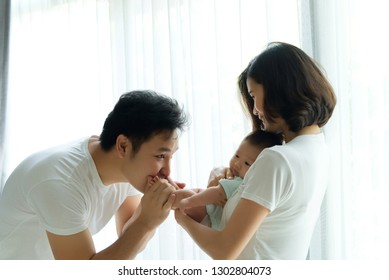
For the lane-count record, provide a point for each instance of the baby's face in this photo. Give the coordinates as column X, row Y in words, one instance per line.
column 243, row 158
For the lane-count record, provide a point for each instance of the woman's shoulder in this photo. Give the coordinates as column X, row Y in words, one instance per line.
column 280, row 157
column 275, row 152
column 273, row 158
column 304, row 151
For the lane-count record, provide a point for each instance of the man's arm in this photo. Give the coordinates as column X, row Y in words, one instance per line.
column 153, row 209
column 125, row 212
column 80, row 246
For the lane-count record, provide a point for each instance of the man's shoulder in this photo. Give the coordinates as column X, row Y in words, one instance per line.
column 61, row 159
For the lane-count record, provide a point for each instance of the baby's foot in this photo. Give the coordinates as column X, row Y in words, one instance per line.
column 153, row 181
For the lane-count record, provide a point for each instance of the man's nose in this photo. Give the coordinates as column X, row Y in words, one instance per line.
column 165, row 170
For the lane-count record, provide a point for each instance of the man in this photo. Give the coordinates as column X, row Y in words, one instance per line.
column 55, row 200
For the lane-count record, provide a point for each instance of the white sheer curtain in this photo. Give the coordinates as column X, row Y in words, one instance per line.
column 60, row 74
column 4, row 47
column 351, row 43
column 195, row 51
column 70, row 61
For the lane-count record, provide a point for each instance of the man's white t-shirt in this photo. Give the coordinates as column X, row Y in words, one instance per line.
column 57, row 190
column 289, row 180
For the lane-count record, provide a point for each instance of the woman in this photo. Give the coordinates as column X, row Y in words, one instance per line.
column 274, row 212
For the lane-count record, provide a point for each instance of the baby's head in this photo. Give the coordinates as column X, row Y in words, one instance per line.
column 249, row 149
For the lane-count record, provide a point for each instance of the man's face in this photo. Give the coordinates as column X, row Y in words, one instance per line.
column 152, row 159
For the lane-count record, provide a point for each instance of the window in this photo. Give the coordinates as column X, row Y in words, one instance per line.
column 71, row 60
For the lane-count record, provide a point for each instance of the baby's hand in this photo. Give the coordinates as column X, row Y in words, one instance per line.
column 218, row 173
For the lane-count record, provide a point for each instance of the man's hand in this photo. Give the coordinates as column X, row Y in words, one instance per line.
column 156, row 203
column 177, row 185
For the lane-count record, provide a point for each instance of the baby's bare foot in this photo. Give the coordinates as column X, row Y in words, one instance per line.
column 153, row 181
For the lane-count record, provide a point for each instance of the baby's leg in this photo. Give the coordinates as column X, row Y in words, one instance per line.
column 212, row 195
column 195, row 205
column 196, row 213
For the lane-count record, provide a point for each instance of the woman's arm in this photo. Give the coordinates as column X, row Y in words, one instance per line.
column 230, row 242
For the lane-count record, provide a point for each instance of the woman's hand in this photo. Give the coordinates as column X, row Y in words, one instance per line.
column 181, row 217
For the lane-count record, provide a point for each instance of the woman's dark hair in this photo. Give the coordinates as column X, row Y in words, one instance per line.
column 247, row 102
column 139, row 115
column 295, row 88
column 263, row 139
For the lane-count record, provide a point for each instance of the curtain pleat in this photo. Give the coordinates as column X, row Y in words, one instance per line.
column 350, row 42
column 4, row 44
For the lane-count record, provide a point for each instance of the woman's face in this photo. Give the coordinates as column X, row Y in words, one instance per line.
column 257, row 93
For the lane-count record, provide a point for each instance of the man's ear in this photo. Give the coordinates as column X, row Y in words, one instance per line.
column 123, row 146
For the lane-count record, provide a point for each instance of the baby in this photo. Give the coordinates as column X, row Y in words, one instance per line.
column 200, row 203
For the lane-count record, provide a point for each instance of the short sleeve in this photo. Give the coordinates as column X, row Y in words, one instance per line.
column 60, row 209
column 269, row 180
column 132, row 191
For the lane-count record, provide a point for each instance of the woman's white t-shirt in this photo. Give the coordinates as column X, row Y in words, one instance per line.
column 289, row 180
column 56, row 190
